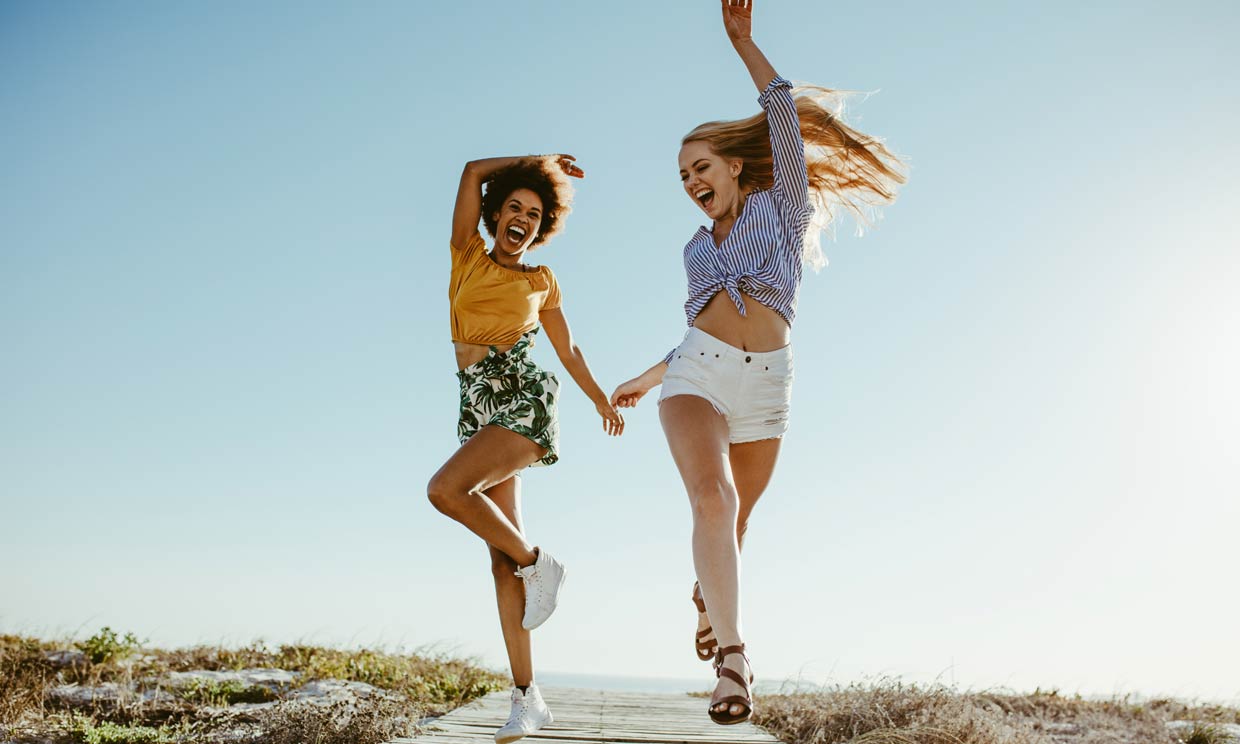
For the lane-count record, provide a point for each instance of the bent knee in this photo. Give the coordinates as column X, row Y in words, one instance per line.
column 443, row 493
column 714, row 499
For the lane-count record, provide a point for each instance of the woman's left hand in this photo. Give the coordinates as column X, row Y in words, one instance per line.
column 568, row 164
column 613, row 422
column 738, row 19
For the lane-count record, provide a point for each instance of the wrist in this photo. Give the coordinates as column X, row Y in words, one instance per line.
column 743, row 42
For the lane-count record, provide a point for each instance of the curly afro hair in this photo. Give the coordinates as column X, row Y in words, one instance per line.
column 540, row 175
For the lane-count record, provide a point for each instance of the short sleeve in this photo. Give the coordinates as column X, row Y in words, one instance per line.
column 472, row 246
column 553, row 299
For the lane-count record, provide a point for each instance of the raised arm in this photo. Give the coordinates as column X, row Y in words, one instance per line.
column 787, row 146
column 738, row 21
column 468, row 210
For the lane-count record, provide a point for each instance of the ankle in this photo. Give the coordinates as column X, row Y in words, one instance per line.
column 528, row 559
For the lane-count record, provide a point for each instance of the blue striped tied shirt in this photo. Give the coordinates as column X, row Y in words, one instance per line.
column 762, row 256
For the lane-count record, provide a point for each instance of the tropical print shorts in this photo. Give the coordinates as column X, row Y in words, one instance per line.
column 508, row 389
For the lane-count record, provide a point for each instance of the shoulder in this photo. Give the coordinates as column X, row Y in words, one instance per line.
column 471, row 243
column 548, row 276
column 702, row 233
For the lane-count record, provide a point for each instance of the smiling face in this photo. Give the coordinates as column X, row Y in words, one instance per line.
column 517, row 221
column 710, row 180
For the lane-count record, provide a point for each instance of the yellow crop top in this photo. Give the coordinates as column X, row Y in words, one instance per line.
column 491, row 304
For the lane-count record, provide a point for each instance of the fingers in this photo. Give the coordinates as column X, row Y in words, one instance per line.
column 625, row 400
column 613, row 423
column 568, row 164
column 625, row 396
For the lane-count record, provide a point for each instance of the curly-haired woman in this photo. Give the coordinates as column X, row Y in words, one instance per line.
column 508, row 419
column 724, row 406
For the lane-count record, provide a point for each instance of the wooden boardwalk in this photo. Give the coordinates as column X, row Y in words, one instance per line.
column 595, row 716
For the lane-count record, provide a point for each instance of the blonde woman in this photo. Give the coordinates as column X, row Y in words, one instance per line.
column 508, row 417
column 724, row 406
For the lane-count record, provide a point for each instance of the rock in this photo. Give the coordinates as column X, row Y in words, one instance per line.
column 252, row 707
column 333, row 690
column 158, row 696
column 83, row 695
column 66, row 658
column 1185, row 727
column 273, row 679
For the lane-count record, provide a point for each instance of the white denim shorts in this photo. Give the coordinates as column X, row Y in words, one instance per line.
column 752, row 391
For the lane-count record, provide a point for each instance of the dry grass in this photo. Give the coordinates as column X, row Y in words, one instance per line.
column 145, row 708
column 890, row 712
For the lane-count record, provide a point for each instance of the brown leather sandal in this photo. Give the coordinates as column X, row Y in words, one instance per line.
column 706, row 649
column 724, row 717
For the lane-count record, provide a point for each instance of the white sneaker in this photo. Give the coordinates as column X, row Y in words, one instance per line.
column 542, row 589
column 529, row 713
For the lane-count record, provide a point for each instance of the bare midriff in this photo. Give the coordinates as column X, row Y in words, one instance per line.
column 468, row 354
column 760, row 329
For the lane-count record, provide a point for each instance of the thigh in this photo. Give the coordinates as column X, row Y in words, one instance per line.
column 489, row 458
column 698, row 437
column 753, row 464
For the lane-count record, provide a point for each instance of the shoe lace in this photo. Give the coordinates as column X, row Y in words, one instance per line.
column 519, row 707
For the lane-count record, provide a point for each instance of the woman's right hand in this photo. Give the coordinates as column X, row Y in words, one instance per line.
column 738, row 19
column 628, row 393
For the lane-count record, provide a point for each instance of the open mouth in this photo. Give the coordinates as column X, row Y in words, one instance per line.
column 515, row 234
column 706, row 198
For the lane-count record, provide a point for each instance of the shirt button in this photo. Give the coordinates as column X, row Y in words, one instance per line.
column 748, row 360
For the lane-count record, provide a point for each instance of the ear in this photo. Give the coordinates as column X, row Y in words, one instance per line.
column 735, row 166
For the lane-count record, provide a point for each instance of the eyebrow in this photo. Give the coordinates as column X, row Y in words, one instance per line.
column 522, row 206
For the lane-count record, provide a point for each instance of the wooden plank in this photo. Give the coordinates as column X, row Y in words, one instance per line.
column 595, row 717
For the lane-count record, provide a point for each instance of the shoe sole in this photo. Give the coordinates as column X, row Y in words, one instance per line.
column 558, row 588
column 509, row 739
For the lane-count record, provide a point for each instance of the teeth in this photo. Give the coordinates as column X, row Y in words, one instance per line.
column 518, row 230
column 703, row 193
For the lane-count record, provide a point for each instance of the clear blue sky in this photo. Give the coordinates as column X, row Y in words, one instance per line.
column 227, row 373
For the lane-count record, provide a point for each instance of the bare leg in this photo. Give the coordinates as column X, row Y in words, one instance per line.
column 488, row 458
column 752, row 465
column 509, row 589
column 698, row 438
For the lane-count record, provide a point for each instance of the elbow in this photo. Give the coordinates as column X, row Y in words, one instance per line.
column 571, row 356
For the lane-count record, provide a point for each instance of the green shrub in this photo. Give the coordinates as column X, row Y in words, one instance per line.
column 111, row 733
column 106, row 646
column 220, row 694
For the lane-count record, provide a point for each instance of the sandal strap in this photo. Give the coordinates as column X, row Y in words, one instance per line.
column 729, row 699
column 729, row 650
column 738, row 679
column 707, row 631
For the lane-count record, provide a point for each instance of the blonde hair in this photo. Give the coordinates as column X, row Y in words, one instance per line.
column 847, row 169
